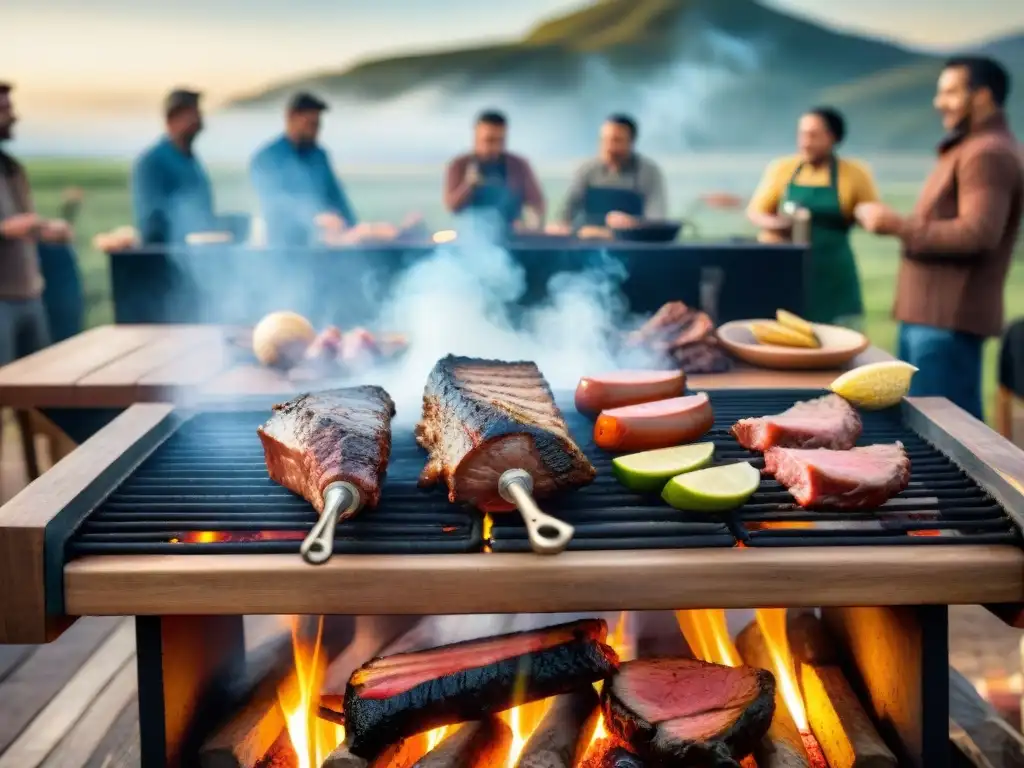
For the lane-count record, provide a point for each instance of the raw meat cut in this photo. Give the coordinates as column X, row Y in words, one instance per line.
column 685, row 712
column 483, row 417
column 391, row 698
column 316, row 439
column 861, row 478
column 825, row 422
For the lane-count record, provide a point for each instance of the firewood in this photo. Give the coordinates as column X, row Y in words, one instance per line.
column 480, row 744
column 281, row 754
column 992, row 736
column 402, row 755
column 839, row 723
column 783, row 746
column 257, row 721
column 562, row 734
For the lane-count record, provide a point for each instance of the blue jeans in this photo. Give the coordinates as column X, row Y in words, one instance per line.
column 948, row 363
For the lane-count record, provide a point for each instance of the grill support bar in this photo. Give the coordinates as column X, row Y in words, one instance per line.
column 183, row 665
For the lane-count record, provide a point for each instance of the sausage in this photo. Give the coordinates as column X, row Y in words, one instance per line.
column 618, row 388
column 660, row 424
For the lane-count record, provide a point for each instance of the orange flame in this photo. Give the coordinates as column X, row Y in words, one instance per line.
column 312, row 738
column 772, row 623
column 623, row 642
column 707, row 634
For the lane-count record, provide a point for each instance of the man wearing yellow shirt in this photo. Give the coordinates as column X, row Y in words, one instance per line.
column 829, row 187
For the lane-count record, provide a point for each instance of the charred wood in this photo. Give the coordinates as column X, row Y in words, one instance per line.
column 402, row 755
column 280, row 755
column 562, row 734
column 992, row 736
column 479, row 744
column 843, row 729
column 621, row 758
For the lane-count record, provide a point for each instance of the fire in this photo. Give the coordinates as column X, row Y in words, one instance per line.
column 772, row 623
column 623, row 643
column 312, row 738
column 707, row 634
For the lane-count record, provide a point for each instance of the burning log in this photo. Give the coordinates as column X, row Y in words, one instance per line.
column 974, row 722
column 562, row 734
column 280, row 755
column 479, row 744
column 402, row 755
column 783, row 746
column 837, row 719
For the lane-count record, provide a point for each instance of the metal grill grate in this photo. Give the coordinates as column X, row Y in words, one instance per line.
column 206, row 490
column 943, row 505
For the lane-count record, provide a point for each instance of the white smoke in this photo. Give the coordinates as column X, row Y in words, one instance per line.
column 462, row 300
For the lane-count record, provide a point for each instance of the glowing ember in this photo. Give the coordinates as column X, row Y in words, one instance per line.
column 707, row 634
column 217, row 537
column 623, row 642
column 772, row 623
column 312, row 738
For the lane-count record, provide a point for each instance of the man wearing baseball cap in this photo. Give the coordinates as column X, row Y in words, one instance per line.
column 170, row 189
column 297, row 189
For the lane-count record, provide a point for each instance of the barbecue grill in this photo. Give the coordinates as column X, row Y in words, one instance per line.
column 149, row 517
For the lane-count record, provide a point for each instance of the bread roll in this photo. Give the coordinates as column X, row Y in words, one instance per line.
column 280, row 339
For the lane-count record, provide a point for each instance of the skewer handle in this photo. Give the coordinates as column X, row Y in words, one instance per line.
column 341, row 499
column 548, row 535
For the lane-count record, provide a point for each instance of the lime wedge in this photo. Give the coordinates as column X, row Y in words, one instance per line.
column 876, row 385
column 648, row 472
column 717, row 489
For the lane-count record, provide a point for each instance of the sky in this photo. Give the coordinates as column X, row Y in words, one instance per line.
column 64, row 54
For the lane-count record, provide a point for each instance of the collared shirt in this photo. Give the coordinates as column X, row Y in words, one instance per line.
column 20, row 277
column 518, row 177
column 171, row 194
column 638, row 174
column 294, row 185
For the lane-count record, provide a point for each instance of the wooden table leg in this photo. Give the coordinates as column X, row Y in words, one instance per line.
column 180, row 658
column 28, row 444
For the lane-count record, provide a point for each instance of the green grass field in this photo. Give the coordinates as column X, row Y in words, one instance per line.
column 388, row 195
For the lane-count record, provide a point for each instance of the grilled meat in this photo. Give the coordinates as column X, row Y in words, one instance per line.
column 861, row 478
column 483, row 417
column 391, row 698
column 336, row 435
column 685, row 712
column 825, row 422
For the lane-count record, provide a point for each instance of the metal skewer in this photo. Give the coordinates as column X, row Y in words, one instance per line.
column 341, row 501
column 548, row 535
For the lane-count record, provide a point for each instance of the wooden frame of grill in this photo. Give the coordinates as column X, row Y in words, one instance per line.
column 190, row 606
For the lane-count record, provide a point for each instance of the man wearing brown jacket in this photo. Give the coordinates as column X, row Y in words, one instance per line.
column 23, row 324
column 959, row 240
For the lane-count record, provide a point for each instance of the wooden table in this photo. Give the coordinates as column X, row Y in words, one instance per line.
column 116, row 366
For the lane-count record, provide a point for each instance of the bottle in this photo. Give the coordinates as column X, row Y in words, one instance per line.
column 801, row 233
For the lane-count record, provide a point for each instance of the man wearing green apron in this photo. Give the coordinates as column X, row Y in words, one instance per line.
column 829, row 188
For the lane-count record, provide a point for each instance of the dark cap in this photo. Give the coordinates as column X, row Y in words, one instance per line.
column 179, row 99
column 306, row 102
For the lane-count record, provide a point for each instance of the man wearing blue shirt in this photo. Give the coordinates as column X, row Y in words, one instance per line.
column 297, row 190
column 170, row 188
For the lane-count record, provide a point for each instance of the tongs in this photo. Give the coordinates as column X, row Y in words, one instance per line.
column 548, row 535
column 341, row 501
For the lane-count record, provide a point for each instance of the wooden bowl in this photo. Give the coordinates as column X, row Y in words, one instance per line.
column 838, row 347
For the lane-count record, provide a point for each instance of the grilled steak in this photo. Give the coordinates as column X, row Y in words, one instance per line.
column 861, row 478
column 826, row 422
column 685, row 712
column 391, row 698
column 339, row 434
column 483, row 417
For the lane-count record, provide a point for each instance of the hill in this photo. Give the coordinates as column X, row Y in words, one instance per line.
column 697, row 74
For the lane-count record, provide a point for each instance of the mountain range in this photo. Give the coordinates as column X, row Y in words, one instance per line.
column 698, row 74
